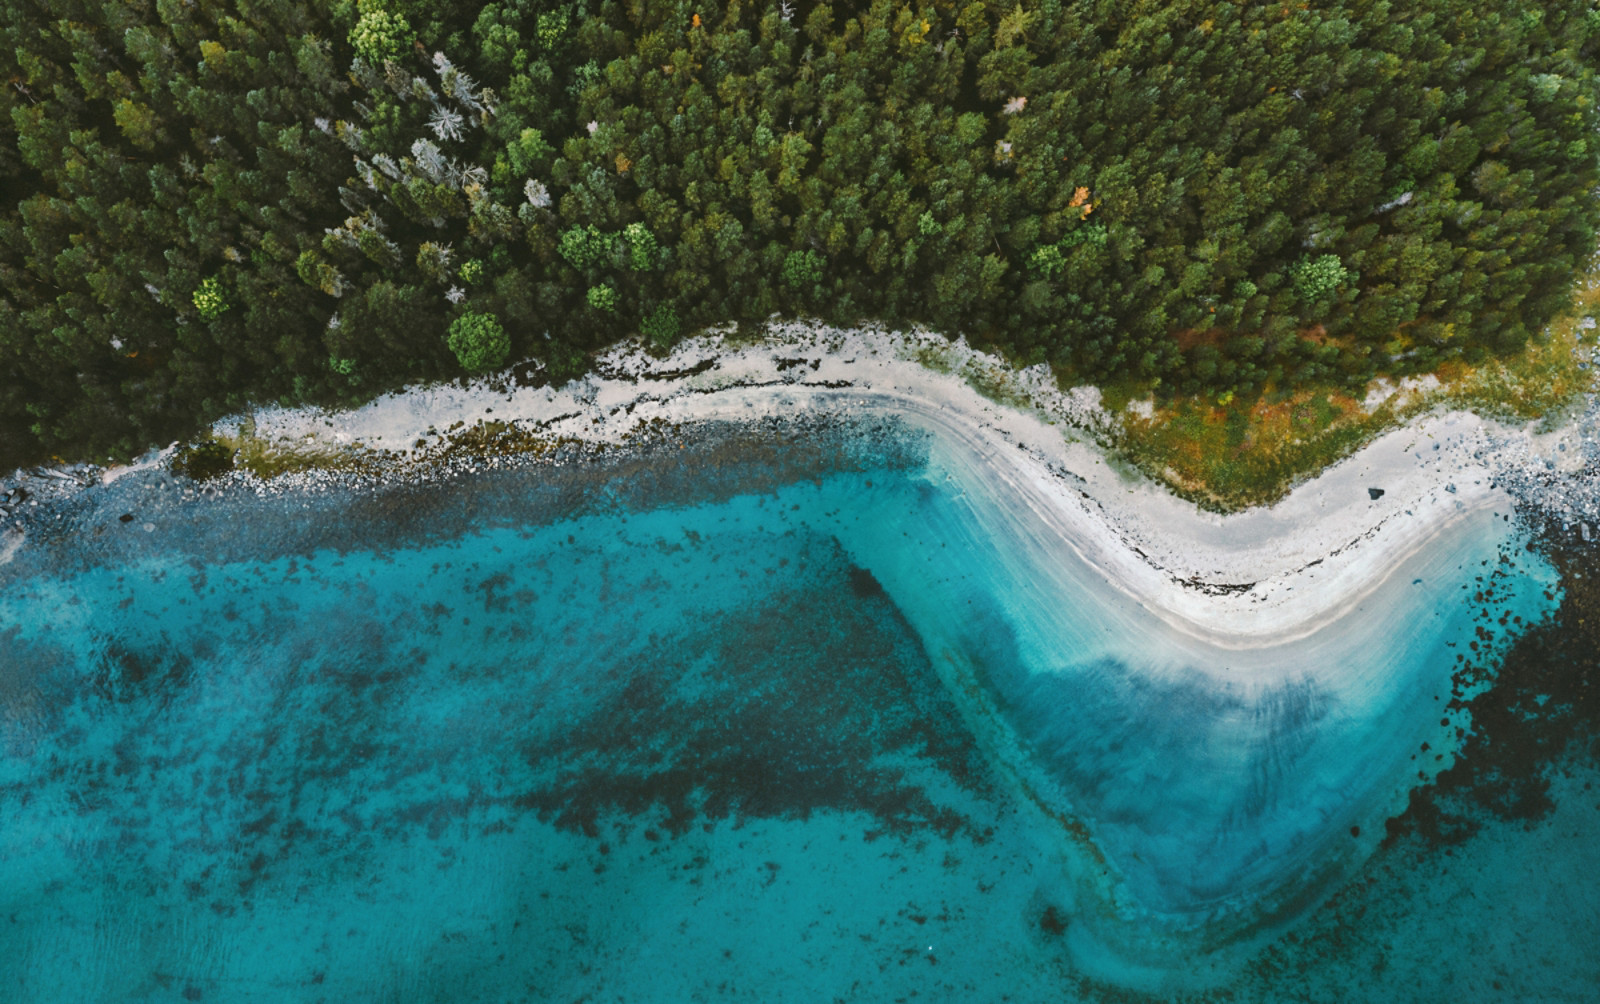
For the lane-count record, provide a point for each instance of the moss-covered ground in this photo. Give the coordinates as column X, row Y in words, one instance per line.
column 1231, row 456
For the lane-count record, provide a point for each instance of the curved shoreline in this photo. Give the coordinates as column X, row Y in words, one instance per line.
column 1258, row 578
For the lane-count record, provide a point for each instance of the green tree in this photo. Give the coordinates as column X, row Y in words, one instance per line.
column 209, row 300
column 802, row 269
column 1318, row 278
column 380, row 34
column 479, row 342
column 585, row 246
column 643, row 251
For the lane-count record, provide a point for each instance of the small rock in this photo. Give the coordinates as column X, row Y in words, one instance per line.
column 1451, row 488
column 1374, row 494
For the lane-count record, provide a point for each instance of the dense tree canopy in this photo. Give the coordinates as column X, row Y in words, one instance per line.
column 213, row 202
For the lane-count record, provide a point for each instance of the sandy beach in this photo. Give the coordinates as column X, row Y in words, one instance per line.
column 1263, row 576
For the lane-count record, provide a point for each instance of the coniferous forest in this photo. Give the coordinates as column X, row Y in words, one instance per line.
column 209, row 203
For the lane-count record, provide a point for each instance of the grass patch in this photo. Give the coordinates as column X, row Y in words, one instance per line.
column 268, row 460
column 1229, row 457
column 934, row 358
column 998, row 383
column 1238, row 455
column 1116, row 395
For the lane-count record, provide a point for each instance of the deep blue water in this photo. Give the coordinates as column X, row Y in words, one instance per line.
column 759, row 716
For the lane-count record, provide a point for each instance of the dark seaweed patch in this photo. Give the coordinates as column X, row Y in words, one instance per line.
column 1053, row 922
column 794, row 709
column 863, row 583
column 128, row 673
column 1544, row 706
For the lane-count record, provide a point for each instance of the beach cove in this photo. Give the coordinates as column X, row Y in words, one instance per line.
column 1169, row 735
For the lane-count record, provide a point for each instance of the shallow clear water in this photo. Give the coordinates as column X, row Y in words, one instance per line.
column 752, row 719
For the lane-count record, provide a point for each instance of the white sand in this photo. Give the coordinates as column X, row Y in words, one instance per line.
column 1292, row 567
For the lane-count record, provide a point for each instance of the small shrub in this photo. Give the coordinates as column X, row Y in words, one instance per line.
column 345, row 368
column 661, row 327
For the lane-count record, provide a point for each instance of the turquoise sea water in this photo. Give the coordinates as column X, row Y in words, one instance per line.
column 762, row 715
